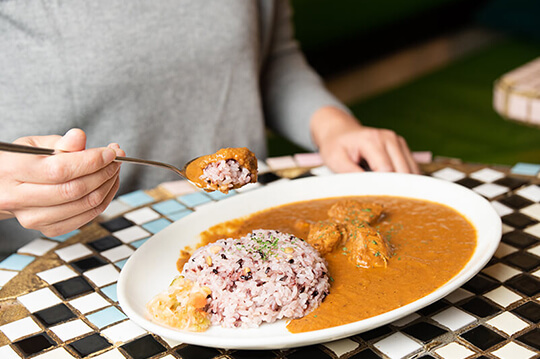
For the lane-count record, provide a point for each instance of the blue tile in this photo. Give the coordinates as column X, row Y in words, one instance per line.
column 66, row 236
column 157, row 225
column 139, row 242
column 136, row 199
column 180, row 214
column 110, row 291
column 217, row 195
column 194, row 199
column 106, row 316
column 16, row 262
column 527, row 169
column 168, row 207
column 120, row 264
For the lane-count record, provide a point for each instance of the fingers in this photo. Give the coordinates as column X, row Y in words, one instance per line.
column 61, row 167
column 398, row 152
column 383, row 150
column 413, row 166
column 40, row 195
column 73, row 140
column 56, row 220
column 71, row 162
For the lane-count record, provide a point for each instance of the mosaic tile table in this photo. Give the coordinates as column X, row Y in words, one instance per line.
column 58, row 296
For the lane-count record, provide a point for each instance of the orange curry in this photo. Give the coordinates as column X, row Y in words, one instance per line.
column 390, row 251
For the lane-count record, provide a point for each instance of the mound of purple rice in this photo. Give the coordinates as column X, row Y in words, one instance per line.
column 262, row 277
column 224, row 175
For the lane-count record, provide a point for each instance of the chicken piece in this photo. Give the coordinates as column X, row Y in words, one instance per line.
column 355, row 212
column 365, row 246
column 324, row 236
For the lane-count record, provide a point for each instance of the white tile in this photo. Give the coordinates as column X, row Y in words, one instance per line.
column 397, row 345
column 20, row 328
column 70, row 330
column 503, row 296
column 458, row 295
column 490, row 190
column 454, row 318
column 117, row 253
column 38, row 247
column 533, row 230
column 115, row 208
column 454, row 351
column 143, row 215
column 535, row 250
column 341, row 347
column 501, row 209
column 536, row 273
column 58, row 353
column 75, row 251
column 57, row 274
column 487, row 175
column 532, row 211
column 501, row 272
column 177, row 188
column 6, row 276
column 321, row 171
column 123, row 332
column 506, row 228
column 171, row 342
column 514, row 351
column 449, row 174
column 262, row 167
column 508, row 323
column 39, row 299
column 7, row 353
column 89, row 303
column 111, row 354
column 103, row 275
column 131, row 234
column 503, row 250
column 531, row 192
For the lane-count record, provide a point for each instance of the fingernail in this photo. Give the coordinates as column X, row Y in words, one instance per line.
column 108, row 155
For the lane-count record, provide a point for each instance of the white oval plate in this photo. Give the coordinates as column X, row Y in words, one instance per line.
column 152, row 267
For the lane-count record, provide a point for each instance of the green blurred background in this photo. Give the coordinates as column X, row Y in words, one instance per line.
column 447, row 111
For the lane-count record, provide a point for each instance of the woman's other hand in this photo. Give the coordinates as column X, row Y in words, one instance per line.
column 343, row 143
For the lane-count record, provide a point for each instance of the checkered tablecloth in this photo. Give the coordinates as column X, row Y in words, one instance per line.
column 58, row 296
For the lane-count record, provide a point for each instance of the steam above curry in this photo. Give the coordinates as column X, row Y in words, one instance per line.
column 383, row 252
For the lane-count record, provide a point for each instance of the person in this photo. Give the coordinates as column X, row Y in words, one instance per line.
column 162, row 80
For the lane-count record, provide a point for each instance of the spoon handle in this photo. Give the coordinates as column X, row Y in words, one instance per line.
column 11, row 147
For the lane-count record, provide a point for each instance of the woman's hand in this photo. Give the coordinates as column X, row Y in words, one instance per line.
column 60, row 193
column 343, row 143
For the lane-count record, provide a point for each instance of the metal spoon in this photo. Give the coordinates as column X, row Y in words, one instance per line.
column 11, row 147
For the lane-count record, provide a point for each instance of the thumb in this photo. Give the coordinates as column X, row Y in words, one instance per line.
column 73, row 140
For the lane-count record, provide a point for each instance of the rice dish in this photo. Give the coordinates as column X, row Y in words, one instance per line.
column 224, row 175
column 262, row 277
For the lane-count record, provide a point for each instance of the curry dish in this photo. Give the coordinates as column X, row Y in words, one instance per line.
column 383, row 252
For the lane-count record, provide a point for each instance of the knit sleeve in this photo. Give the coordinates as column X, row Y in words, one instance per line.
column 291, row 89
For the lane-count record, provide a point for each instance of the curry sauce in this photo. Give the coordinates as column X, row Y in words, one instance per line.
column 430, row 243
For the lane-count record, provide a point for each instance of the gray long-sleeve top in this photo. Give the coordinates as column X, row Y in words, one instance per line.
column 166, row 79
